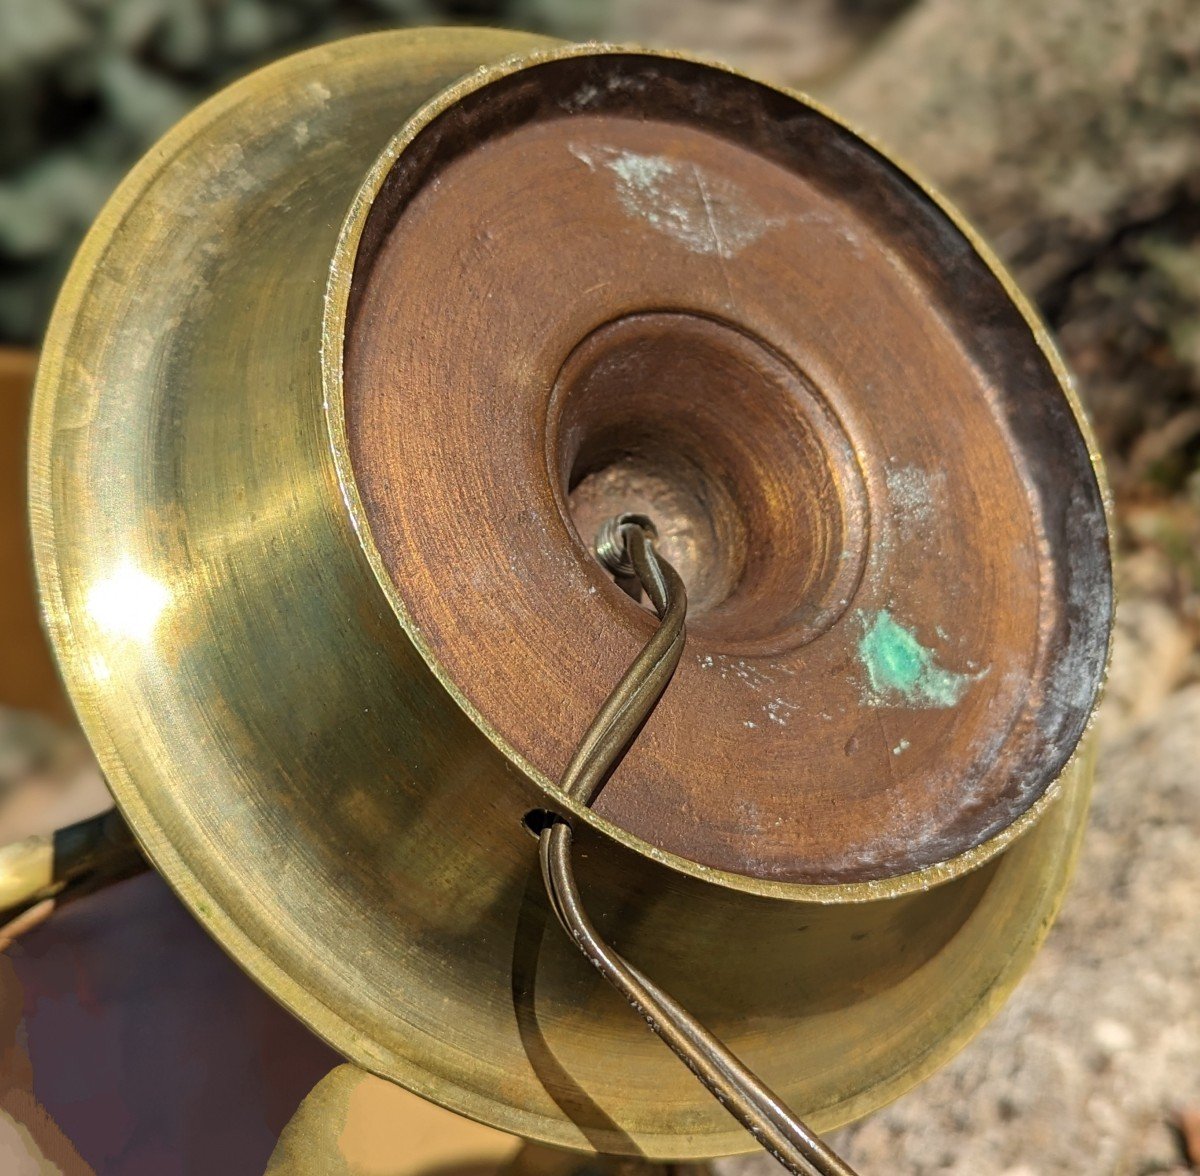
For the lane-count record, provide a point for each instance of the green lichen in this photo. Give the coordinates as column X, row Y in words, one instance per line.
column 901, row 671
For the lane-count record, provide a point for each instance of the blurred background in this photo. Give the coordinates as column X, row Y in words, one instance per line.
column 1070, row 133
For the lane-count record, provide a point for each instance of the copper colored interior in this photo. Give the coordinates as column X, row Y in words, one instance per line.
column 747, row 475
column 618, row 282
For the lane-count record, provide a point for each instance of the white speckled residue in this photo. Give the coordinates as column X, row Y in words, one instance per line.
column 778, row 710
column 705, row 213
column 917, row 494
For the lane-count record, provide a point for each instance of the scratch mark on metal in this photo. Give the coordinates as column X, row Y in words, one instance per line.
column 716, row 235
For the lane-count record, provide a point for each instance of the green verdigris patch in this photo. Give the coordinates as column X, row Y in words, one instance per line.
column 901, row 671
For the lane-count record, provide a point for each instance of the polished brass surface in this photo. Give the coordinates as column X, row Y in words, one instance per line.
column 26, row 874
column 354, row 1124
column 317, row 792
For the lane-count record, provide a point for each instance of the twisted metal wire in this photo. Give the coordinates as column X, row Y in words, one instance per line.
column 626, row 545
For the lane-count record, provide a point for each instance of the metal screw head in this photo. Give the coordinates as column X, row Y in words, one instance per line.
column 612, row 550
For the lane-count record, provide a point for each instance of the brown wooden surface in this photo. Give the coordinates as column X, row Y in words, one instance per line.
column 28, row 678
column 603, row 287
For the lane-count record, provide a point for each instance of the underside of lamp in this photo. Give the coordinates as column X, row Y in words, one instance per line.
column 338, row 391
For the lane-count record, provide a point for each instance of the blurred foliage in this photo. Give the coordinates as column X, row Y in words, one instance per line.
column 1130, row 325
column 86, row 86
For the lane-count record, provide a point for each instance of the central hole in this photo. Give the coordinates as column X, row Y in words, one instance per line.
column 700, row 527
column 751, row 482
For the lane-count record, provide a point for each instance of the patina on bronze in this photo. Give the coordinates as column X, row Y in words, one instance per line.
column 304, row 513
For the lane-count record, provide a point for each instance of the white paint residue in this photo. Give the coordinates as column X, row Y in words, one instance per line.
column 728, row 667
column 585, row 96
column 705, row 213
column 779, row 710
column 918, row 494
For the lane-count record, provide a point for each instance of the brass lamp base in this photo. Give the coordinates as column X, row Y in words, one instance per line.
column 353, row 1124
column 335, row 781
